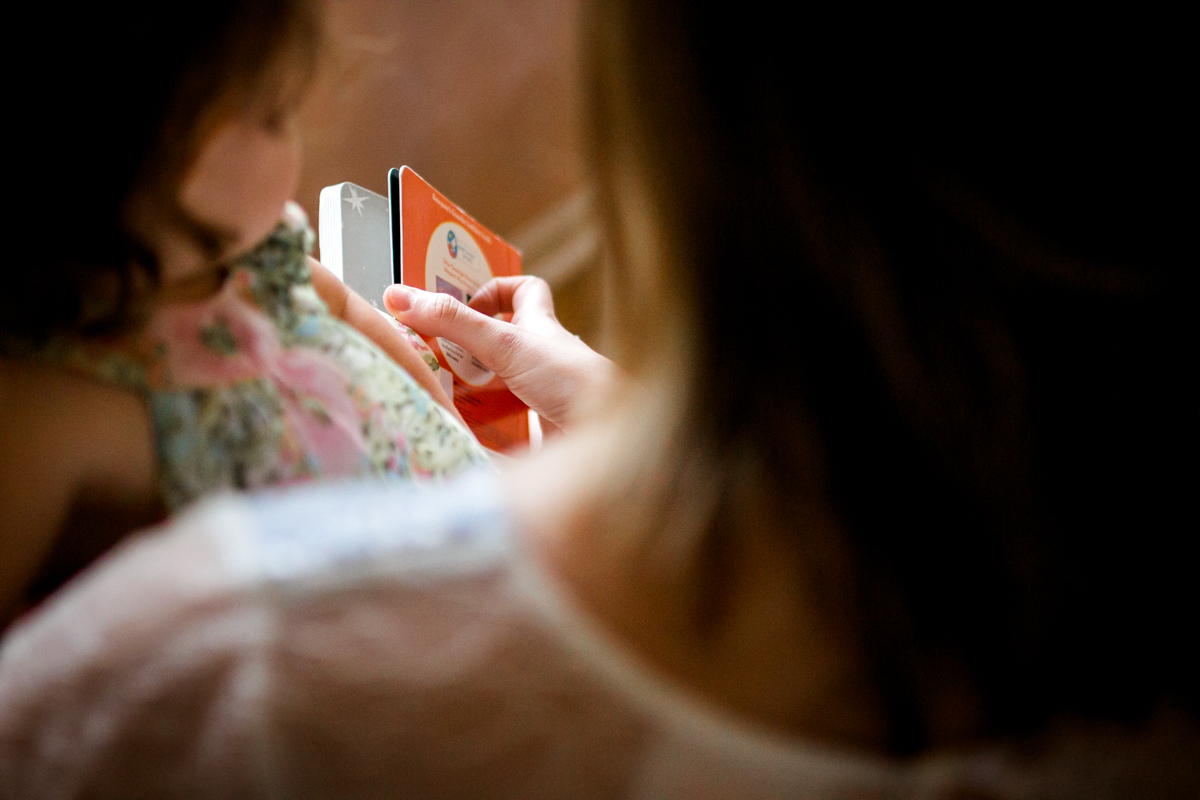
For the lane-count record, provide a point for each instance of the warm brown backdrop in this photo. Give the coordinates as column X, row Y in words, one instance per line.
column 482, row 99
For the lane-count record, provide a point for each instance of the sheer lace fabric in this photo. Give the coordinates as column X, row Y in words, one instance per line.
column 374, row 641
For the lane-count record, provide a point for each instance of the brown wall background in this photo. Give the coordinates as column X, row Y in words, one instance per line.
column 482, row 99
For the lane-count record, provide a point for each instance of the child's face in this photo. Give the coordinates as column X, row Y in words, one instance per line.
column 238, row 184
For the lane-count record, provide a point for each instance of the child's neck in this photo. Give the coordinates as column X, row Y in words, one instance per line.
column 195, row 287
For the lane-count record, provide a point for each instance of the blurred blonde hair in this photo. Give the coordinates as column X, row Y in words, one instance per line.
column 878, row 296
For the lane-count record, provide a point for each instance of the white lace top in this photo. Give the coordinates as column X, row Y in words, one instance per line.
column 378, row 641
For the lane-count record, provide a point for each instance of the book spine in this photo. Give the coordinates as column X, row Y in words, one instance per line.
column 329, row 228
column 396, row 228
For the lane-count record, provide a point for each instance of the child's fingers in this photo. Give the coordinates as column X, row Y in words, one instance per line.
column 360, row 315
column 331, row 290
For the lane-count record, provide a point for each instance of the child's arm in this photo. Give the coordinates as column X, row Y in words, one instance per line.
column 77, row 466
column 358, row 313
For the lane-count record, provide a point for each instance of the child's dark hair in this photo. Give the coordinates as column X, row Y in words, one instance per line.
column 141, row 84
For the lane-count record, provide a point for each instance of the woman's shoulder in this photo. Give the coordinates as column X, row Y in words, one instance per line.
column 393, row 639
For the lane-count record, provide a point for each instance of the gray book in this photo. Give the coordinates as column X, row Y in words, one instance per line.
column 354, row 230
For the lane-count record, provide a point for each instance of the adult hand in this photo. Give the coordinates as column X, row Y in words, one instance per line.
column 542, row 363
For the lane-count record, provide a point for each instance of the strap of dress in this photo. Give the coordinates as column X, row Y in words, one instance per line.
column 343, row 531
column 107, row 360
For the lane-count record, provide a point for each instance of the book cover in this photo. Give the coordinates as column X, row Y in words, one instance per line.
column 438, row 247
column 354, row 231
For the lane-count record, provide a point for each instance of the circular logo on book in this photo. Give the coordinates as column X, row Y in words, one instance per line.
column 455, row 265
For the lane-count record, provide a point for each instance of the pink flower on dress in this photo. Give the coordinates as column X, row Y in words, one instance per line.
column 225, row 339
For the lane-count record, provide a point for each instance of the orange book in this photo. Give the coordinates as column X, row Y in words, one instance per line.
column 438, row 247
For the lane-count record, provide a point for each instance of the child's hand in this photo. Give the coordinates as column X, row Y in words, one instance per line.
column 358, row 313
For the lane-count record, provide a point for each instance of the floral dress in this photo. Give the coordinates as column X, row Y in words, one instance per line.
column 260, row 385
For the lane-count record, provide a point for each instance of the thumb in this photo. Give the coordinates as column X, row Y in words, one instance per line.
column 435, row 314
